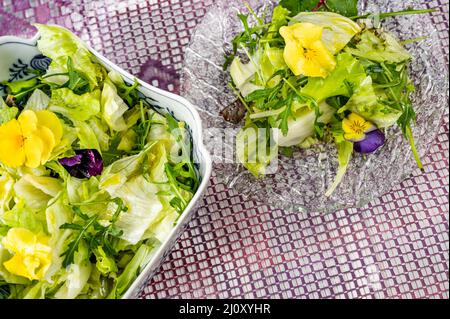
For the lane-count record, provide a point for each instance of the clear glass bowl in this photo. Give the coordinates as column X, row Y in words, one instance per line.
column 301, row 180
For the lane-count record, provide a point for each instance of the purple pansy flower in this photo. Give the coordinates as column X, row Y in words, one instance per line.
column 86, row 163
column 371, row 142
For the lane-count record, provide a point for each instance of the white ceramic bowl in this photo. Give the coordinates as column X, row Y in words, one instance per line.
column 18, row 54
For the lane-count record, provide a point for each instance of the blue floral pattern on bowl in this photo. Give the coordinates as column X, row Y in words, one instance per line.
column 21, row 70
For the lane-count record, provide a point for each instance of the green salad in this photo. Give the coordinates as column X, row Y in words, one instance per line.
column 92, row 178
column 316, row 71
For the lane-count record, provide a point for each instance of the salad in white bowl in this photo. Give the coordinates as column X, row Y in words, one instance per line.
column 93, row 178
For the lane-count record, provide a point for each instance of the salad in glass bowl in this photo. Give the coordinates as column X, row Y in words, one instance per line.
column 318, row 105
column 315, row 73
column 92, row 177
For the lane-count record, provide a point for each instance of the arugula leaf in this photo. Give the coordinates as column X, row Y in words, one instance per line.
column 77, row 82
column 337, row 101
column 384, row 15
column 71, row 226
column 178, row 202
column 112, row 154
column 287, row 113
column 408, row 116
column 248, row 40
column 346, row 8
column 129, row 93
column 269, row 94
column 182, row 175
column 184, row 171
column 107, row 234
column 143, row 128
column 69, row 253
column 395, row 84
column 99, row 236
column 173, row 125
column 296, row 6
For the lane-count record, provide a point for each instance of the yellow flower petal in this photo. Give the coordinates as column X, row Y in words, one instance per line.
column 305, row 53
column 33, row 147
column 19, row 239
column 30, row 139
column 50, row 120
column 323, row 57
column 11, row 144
column 32, row 257
column 48, row 139
column 353, row 117
column 354, row 136
column 16, row 265
column 355, row 127
column 304, row 32
column 28, row 122
column 347, row 125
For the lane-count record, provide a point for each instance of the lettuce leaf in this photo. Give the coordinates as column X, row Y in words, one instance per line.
column 37, row 101
column 162, row 227
column 25, row 217
column 279, row 18
column 345, row 151
column 97, row 286
column 379, row 46
column 240, row 72
column 69, row 136
column 137, row 263
column 144, row 208
column 57, row 214
column 348, row 71
column 105, row 264
column 7, row 113
column 127, row 141
column 58, row 44
column 302, row 126
column 101, row 132
column 87, row 191
column 76, row 107
column 116, row 174
column 113, row 107
column 253, row 151
column 271, row 61
column 37, row 191
column 77, row 274
column 87, row 138
column 36, row 291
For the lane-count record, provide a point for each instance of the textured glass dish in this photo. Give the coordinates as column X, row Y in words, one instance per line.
column 301, row 180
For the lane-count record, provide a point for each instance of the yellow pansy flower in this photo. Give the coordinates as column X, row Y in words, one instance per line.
column 355, row 127
column 305, row 53
column 32, row 256
column 30, row 139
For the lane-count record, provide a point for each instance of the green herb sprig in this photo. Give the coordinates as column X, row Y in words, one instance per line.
column 92, row 232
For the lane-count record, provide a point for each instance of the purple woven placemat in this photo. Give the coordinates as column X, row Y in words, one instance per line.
column 395, row 247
